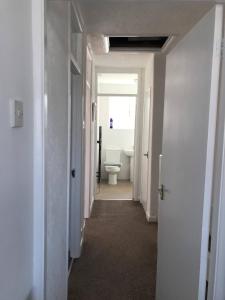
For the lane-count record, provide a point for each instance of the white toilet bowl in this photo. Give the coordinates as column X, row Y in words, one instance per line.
column 112, row 165
column 112, row 173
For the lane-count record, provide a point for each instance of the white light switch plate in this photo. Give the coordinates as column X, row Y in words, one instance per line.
column 16, row 113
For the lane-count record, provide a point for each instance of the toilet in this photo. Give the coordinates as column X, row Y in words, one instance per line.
column 112, row 165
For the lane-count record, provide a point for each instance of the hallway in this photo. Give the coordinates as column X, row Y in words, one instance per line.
column 119, row 255
column 121, row 191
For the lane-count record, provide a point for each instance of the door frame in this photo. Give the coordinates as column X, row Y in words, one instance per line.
column 149, row 167
column 88, row 182
column 217, row 254
column 39, row 169
column 138, row 112
column 211, row 148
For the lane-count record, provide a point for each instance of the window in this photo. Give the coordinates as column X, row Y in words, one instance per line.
column 122, row 111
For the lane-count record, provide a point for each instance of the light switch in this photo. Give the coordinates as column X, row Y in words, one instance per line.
column 16, row 113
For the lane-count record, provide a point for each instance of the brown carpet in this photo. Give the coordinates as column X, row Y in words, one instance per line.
column 122, row 190
column 118, row 261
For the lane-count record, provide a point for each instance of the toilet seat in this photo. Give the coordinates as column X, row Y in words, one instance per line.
column 112, row 165
column 112, row 169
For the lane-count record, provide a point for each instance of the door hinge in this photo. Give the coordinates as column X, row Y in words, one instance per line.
column 206, row 289
column 209, row 243
column 222, row 48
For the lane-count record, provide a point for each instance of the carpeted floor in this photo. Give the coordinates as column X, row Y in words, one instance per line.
column 118, row 261
column 121, row 191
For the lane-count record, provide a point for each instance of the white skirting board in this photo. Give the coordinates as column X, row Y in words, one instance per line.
column 151, row 219
column 91, row 207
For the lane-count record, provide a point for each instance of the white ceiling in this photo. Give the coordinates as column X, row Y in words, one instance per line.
column 141, row 17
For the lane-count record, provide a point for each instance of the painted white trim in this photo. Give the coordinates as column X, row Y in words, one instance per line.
column 38, row 33
column 88, row 132
column 217, row 254
column 168, row 43
column 84, row 225
column 136, row 199
column 74, row 65
column 214, row 93
column 150, row 145
column 81, row 243
column 138, row 137
column 76, row 17
column 151, row 219
column 69, row 104
column 70, row 266
column 117, row 95
column 92, row 203
column 113, row 199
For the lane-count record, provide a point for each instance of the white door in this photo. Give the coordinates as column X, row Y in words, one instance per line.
column 76, row 185
column 147, row 109
column 188, row 146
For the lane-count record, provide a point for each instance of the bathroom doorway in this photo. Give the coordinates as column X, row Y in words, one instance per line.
column 117, row 97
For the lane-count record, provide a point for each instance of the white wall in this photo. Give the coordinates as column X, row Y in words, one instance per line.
column 56, row 150
column 16, row 170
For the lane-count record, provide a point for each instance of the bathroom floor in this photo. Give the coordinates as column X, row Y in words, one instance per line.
column 121, row 191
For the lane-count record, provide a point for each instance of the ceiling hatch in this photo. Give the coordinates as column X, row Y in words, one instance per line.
column 152, row 43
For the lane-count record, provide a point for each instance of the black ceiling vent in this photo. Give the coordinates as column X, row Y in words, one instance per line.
column 152, row 43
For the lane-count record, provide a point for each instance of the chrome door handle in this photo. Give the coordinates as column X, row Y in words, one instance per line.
column 146, row 154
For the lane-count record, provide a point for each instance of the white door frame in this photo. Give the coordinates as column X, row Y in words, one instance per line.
column 149, row 161
column 216, row 272
column 138, row 96
column 40, row 112
column 211, row 149
column 88, row 131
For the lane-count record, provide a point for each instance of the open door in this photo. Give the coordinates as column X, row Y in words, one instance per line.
column 146, row 148
column 192, row 79
column 76, row 203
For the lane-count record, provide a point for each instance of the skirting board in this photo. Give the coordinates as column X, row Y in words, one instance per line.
column 92, row 202
column 136, row 200
column 151, row 219
column 81, row 244
column 82, row 236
